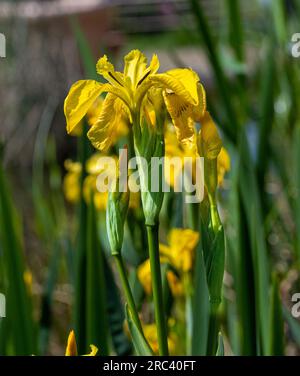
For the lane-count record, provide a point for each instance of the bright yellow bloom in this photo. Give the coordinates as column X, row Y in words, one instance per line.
column 71, row 349
column 223, row 165
column 183, row 94
column 181, row 248
column 125, row 90
column 150, row 332
column 185, row 100
column 71, row 183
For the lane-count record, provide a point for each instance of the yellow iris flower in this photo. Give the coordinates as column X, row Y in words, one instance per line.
column 179, row 253
column 71, row 349
column 183, row 94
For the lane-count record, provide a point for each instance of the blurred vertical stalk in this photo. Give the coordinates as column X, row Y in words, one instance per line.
column 231, row 125
column 152, row 233
column 80, row 260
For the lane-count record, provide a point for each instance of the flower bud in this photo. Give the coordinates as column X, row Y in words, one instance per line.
column 116, row 212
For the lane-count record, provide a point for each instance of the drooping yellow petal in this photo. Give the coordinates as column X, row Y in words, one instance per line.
column 71, row 349
column 80, row 98
column 181, row 113
column 209, row 139
column 93, row 352
column 102, row 132
column 200, row 109
column 182, row 82
column 94, row 111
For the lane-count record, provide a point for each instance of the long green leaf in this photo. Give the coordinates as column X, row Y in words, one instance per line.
column 140, row 344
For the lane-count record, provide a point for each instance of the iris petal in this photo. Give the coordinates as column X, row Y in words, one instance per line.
column 101, row 133
column 80, row 98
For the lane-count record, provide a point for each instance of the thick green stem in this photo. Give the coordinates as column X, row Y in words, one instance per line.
column 212, row 344
column 160, row 318
column 127, row 290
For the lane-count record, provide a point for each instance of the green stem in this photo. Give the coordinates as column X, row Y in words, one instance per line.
column 212, row 344
column 127, row 290
column 160, row 318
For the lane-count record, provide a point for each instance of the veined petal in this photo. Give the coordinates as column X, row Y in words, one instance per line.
column 80, row 98
column 200, row 109
column 183, row 82
column 101, row 133
column 107, row 70
column 210, row 141
column 180, row 113
column 135, row 66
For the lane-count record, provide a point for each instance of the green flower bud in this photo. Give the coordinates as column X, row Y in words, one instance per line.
column 116, row 212
column 149, row 145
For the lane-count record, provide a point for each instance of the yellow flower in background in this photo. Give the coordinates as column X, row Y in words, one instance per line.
column 71, row 183
column 179, row 253
column 71, row 349
column 181, row 248
column 144, row 276
column 223, row 165
column 150, row 333
column 174, row 283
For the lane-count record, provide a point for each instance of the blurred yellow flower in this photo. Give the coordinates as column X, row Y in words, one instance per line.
column 71, row 349
column 71, row 183
column 223, row 165
column 144, row 276
column 150, row 333
column 181, row 248
column 174, row 283
column 179, row 253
